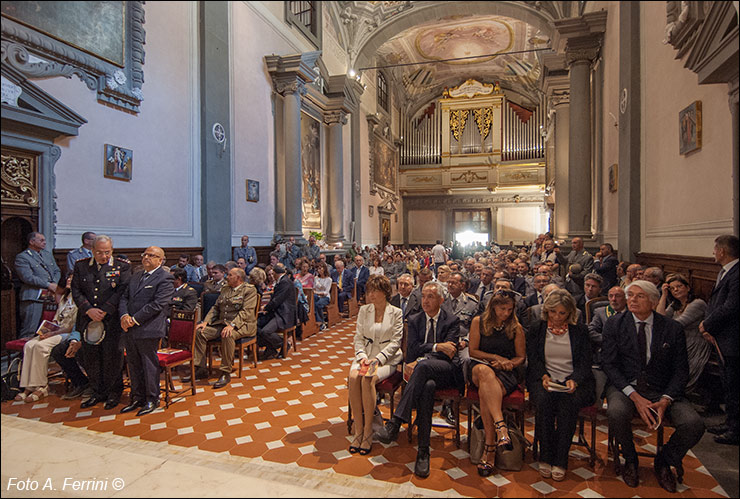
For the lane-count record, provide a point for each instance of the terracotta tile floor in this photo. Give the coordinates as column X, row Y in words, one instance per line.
column 295, row 410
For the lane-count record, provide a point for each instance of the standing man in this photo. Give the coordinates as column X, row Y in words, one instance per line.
column 196, row 272
column 432, row 350
column 580, row 256
column 605, row 264
column 97, row 286
column 722, row 328
column 249, row 254
column 84, row 251
column 280, row 313
column 144, row 308
column 312, row 251
column 39, row 274
column 439, row 255
column 231, row 317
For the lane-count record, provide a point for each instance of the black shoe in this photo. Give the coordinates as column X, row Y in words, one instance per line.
column 665, row 475
column 389, row 433
column 147, row 408
column 222, row 381
column 730, row 437
column 75, row 392
column 448, row 414
column 200, row 373
column 421, row 469
column 629, row 474
column 269, row 353
column 111, row 403
column 90, row 402
column 133, row 405
column 718, row 429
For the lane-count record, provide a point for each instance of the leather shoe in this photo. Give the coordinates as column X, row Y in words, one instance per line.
column 421, row 469
column 222, row 381
column 718, row 429
column 200, row 373
column 629, row 474
column 447, row 414
column 133, row 405
column 269, row 353
column 730, row 437
column 147, row 408
column 110, row 404
column 90, row 402
column 389, row 432
column 665, row 475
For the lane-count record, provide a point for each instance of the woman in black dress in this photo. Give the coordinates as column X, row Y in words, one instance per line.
column 497, row 348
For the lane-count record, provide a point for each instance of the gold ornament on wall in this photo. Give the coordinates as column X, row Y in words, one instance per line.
column 18, row 181
column 458, row 118
column 484, row 120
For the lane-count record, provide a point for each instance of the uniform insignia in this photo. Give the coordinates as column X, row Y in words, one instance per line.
column 113, row 284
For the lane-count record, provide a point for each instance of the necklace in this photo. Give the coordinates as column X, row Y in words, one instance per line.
column 557, row 330
column 498, row 329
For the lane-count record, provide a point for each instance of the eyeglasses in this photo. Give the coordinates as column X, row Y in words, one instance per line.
column 506, row 292
column 150, row 255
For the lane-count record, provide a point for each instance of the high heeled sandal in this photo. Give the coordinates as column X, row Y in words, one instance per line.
column 364, row 451
column 503, row 440
column 354, row 449
column 21, row 396
column 485, row 467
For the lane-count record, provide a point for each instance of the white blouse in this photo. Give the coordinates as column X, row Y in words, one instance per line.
column 322, row 286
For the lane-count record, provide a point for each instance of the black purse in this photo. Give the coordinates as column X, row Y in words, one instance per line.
column 11, row 381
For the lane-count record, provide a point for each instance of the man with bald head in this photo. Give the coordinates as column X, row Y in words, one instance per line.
column 144, row 308
column 97, row 286
column 644, row 356
column 580, row 256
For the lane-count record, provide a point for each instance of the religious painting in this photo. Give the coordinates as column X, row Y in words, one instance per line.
column 689, row 128
column 118, row 162
column 311, row 168
column 384, row 164
column 253, row 190
column 613, row 178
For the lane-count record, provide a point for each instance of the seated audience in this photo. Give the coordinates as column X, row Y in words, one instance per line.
column 605, row 264
column 242, row 264
column 279, row 313
column 617, row 304
column 377, row 346
column 376, row 268
column 644, row 357
column 304, row 276
column 197, row 271
column 257, row 278
column 182, row 262
column 217, row 280
column 654, row 275
column 185, row 297
column 360, row 274
column 497, row 349
column 559, row 352
column 345, row 283
column 35, row 366
column 539, row 282
column 414, row 305
column 591, row 289
column 403, row 299
column 321, row 293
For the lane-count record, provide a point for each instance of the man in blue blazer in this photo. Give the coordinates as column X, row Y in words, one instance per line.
column 644, row 356
column 39, row 276
column 345, row 283
column 280, row 313
column 144, row 308
column 721, row 327
column 361, row 274
column 432, row 348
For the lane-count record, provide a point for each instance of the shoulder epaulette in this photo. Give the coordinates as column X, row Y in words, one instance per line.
column 472, row 296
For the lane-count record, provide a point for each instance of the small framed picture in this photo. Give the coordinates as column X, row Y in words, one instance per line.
column 689, row 128
column 118, row 162
column 613, row 178
column 253, row 190
column 370, row 210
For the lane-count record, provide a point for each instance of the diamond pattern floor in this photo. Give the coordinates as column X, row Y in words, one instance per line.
column 295, row 411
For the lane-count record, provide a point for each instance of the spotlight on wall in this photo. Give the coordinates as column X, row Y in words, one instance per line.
column 352, row 73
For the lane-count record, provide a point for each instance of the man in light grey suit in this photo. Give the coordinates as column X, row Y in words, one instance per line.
column 84, row 251
column 39, row 274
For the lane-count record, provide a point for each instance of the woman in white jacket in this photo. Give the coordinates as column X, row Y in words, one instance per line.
column 377, row 345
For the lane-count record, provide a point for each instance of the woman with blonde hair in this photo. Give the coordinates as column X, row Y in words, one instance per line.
column 497, row 348
column 559, row 379
column 377, row 346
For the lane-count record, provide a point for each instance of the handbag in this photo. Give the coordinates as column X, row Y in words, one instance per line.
column 477, row 440
column 11, row 381
column 512, row 460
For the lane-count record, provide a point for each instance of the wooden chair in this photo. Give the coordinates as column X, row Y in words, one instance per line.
column 614, row 449
column 239, row 344
column 354, row 306
column 593, row 304
column 332, row 309
column 290, row 331
column 310, row 327
column 181, row 336
column 16, row 345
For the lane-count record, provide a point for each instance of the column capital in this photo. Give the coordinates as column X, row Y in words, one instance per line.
column 335, row 118
column 293, row 86
column 291, row 73
column 582, row 51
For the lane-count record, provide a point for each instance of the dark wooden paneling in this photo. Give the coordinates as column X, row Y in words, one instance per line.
column 701, row 271
column 133, row 254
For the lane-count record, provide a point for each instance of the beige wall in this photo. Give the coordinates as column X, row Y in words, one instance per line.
column 518, row 223
column 686, row 199
column 426, row 226
column 610, row 140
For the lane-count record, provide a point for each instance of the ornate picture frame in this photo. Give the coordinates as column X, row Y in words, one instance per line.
column 253, row 191
column 118, row 162
column 689, row 128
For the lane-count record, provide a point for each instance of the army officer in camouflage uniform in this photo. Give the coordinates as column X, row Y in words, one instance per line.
column 232, row 317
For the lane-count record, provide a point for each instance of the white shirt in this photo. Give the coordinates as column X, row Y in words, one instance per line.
column 439, row 253
column 436, row 325
column 726, row 268
column 627, row 390
column 322, row 286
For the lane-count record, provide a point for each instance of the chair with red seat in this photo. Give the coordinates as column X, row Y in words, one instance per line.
column 16, row 345
column 182, row 338
column 514, row 403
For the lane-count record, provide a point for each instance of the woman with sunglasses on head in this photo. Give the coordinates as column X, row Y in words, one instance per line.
column 497, row 348
column 559, row 379
column 677, row 302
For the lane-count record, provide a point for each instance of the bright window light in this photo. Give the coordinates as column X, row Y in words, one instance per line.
column 469, row 237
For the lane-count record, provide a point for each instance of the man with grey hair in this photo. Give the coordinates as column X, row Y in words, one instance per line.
column 654, row 275
column 39, row 275
column 644, row 356
column 433, row 355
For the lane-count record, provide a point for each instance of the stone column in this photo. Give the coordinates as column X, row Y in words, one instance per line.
column 335, row 177
column 735, row 112
column 493, row 225
column 561, row 105
column 293, row 170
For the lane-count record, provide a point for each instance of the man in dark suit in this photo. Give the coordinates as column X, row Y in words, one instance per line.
column 185, row 297
column 97, row 286
column 361, row 274
column 414, row 305
column 539, row 282
column 39, row 275
column 279, row 313
column 345, row 283
column 432, row 347
column 402, row 299
column 144, row 308
column 644, row 356
column 722, row 328
column 605, row 264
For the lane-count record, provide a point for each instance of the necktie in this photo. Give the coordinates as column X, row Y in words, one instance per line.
column 340, row 281
column 454, row 305
column 430, row 332
column 539, row 299
column 720, row 276
column 403, row 305
column 642, row 344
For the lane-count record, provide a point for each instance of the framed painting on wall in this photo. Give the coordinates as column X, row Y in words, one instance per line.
column 689, row 128
column 253, row 190
column 311, row 168
column 118, row 162
column 613, row 178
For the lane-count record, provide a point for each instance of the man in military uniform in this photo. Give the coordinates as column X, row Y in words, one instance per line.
column 217, row 280
column 232, row 317
column 97, row 286
column 39, row 274
column 249, row 254
column 84, row 251
column 185, row 297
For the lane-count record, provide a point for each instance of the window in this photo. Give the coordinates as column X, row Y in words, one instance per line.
column 471, row 226
column 382, row 92
column 306, row 16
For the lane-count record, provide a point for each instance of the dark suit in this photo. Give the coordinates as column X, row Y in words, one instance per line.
column 666, row 373
column 147, row 300
column 532, row 300
column 361, row 279
column 413, row 307
column 435, row 371
column 280, row 313
column 721, row 322
column 184, row 298
column 396, row 302
column 556, row 408
column 473, row 284
column 101, row 288
column 607, row 269
column 345, row 290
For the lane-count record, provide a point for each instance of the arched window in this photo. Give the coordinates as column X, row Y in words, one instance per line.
column 382, row 92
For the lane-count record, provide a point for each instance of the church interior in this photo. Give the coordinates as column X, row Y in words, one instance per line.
column 354, row 127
